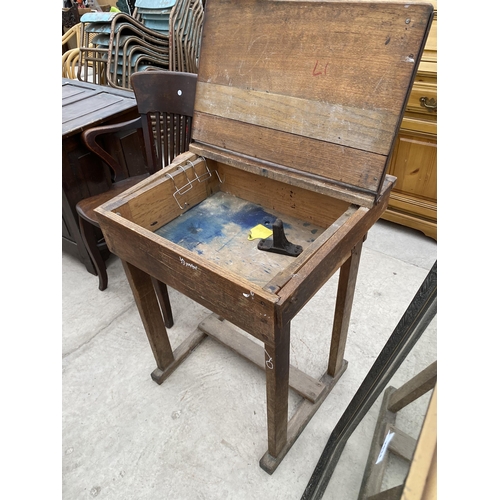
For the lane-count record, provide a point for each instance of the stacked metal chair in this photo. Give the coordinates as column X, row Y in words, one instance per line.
column 186, row 35
column 163, row 34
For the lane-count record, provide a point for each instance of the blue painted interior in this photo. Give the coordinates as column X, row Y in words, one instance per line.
column 207, row 220
column 221, row 216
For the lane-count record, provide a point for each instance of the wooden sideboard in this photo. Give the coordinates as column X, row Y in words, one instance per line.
column 413, row 202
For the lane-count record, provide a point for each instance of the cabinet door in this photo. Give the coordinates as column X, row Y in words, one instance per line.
column 414, row 164
column 413, row 201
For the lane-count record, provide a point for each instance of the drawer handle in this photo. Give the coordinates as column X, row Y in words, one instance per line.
column 429, row 104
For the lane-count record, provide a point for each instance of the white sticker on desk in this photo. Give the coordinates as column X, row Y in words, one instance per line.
column 384, row 446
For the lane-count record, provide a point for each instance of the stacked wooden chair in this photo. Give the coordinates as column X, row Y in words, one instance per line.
column 163, row 34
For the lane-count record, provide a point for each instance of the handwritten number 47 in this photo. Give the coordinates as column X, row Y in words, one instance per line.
column 319, row 69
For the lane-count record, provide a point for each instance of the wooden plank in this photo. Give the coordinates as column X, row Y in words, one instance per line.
column 149, row 310
column 158, row 205
column 277, row 382
column 305, row 385
column 402, row 444
column 67, row 82
column 343, row 307
column 285, row 175
column 72, row 93
column 180, row 354
column 92, row 110
column 151, row 203
column 421, row 478
column 148, row 183
column 325, row 159
column 284, row 117
column 430, row 489
column 309, row 206
column 414, row 388
column 304, row 413
column 323, row 53
column 390, row 494
column 319, row 60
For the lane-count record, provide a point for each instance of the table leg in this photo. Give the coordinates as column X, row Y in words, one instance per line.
column 72, row 239
column 277, row 360
column 149, row 310
column 345, row 295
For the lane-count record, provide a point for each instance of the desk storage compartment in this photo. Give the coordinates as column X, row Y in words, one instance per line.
column 208, row 252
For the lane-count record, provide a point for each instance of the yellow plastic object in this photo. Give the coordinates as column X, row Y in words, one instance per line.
column 259, row 232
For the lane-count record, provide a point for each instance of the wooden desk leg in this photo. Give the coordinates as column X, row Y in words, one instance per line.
column 149, row 310
column 277, row 379
column 164, row 302
column 345, row 295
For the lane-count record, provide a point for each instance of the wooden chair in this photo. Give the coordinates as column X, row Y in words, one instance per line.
column 165, row 101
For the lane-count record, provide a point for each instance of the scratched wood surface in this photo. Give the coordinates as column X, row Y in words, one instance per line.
column 85, row 105
column 319, row 87
column 297, row 202
column 217, row 229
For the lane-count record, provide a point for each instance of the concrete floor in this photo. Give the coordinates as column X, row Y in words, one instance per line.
column 201, row 434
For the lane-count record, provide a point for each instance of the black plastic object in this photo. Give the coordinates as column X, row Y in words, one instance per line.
column 279, row 243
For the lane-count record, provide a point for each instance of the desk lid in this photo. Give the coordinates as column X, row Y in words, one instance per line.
column 313, row 88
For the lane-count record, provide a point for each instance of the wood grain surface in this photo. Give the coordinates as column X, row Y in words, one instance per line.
column 310, row 78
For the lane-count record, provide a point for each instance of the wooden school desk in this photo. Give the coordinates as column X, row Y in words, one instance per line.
column 297, row 106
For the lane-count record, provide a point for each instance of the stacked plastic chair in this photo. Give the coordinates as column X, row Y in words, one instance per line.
column 155, row 14
column 163, row 34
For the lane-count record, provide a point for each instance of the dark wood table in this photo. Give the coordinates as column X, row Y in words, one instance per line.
column 86, row 105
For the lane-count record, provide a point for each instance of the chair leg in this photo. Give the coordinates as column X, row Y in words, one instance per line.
column 90, row 241
column 164, row 302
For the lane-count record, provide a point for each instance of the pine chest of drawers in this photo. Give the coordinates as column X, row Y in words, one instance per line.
column 413, row 202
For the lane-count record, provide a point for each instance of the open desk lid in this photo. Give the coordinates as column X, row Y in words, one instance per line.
column 315, row 89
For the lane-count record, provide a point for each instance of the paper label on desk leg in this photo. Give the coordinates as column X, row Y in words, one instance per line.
column 384, row 446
